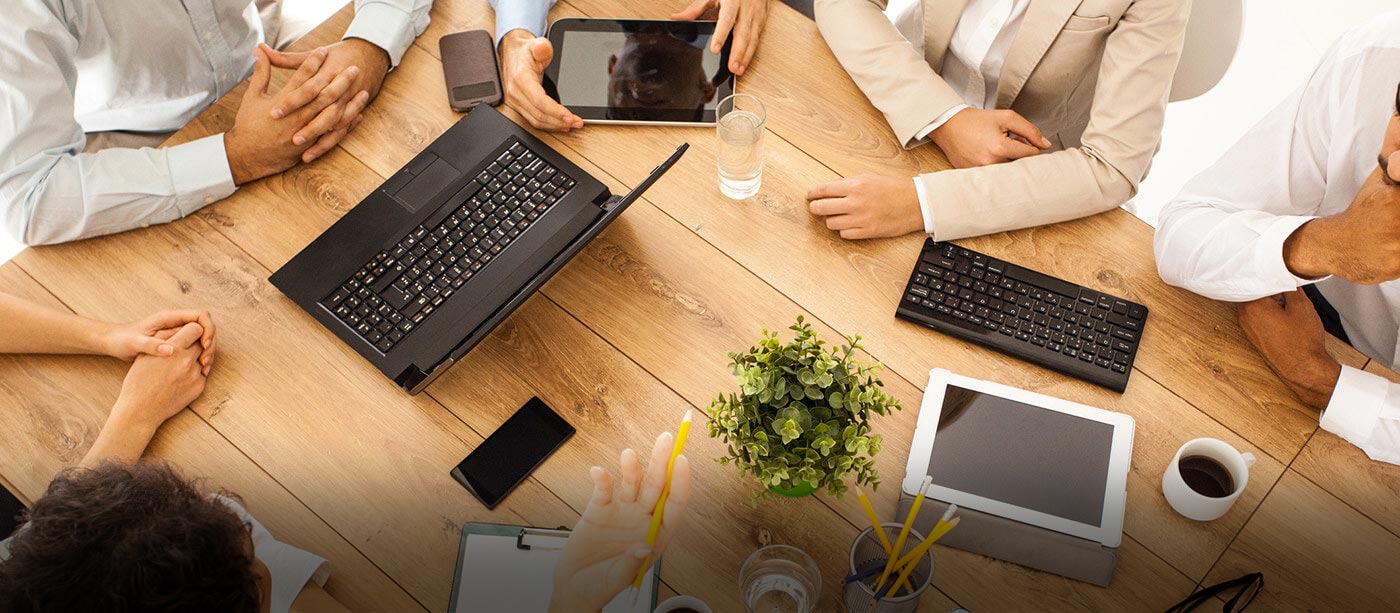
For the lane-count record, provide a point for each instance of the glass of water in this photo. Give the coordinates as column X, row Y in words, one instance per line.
column 780, row 579
column 740, row 126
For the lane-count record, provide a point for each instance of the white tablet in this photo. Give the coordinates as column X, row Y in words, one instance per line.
column 1023, row 456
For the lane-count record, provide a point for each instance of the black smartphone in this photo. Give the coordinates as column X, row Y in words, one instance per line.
column 512, row 452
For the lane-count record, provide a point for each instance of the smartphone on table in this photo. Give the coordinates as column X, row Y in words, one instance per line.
column 512, row 452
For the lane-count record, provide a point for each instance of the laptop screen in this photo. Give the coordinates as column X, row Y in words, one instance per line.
column 1023, row 455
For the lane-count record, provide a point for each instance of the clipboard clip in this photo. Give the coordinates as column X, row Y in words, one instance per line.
column 520, row 541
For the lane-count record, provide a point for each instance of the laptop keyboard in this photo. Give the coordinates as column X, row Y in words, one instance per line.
column 1030, row 315
column 401, row 286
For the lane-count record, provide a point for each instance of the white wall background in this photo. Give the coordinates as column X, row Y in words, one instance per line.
column 1282, row 41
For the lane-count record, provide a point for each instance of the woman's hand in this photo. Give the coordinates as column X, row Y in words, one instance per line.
column 126, row 341
column 609, row 544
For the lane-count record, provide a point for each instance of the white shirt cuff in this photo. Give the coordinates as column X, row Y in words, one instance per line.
column 386, row 27
column 200, row 173
column 939, row 121
column 925, row 207
column 1270, row 251
column 1355, row 406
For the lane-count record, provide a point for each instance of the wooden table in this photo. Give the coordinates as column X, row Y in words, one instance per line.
column 335, row 459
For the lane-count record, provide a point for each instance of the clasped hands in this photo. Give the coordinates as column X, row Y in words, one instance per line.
column 310, row 114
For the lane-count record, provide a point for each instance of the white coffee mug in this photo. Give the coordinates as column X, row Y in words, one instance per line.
column 1189, row 502
column 677, row 603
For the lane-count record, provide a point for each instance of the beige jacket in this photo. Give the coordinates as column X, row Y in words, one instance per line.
column 1093, row 75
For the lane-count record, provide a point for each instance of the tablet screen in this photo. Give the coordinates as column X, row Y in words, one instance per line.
column 1022, row 455
column 638, row 70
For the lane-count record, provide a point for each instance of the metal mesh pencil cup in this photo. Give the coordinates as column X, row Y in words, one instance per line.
column 866, row 553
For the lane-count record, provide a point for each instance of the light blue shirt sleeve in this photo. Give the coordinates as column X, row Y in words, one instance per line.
column 529, row 15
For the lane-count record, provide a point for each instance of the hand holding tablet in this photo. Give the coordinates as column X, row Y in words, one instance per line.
column 638, row 71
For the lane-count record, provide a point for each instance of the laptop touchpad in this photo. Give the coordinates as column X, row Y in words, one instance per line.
column 427, row 184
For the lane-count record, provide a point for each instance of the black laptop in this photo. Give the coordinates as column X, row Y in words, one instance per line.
column 427, row 265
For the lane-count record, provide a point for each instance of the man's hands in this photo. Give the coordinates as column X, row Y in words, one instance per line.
column 1288, row 333
column 372, row 62
column 743, row 18
column 523, row 60
column 1360, row 244
column 868, row 206
column 259, row 145
column 608, row 546
column 976, row 137
column 130, row 340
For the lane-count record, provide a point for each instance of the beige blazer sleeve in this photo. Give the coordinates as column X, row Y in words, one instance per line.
column 895, row 78
column 1123, row 133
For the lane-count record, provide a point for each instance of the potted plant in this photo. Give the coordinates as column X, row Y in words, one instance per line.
column 801, row 421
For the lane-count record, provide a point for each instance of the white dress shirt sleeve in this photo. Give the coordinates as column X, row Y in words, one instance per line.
column 529, row 15
column 390, row 25
column 53, row 192
column 1365, row 410
column 1223, row 236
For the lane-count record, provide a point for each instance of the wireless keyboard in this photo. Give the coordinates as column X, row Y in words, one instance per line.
column 1026, row 314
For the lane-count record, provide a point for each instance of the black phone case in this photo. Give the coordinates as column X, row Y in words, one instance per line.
column 469, row 58
column 459, row 477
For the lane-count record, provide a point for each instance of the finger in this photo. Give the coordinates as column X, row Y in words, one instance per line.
column 855, row 234
column 187, row 335
column 153, row 345
column 677, row 500
column 656, row 470
column 262, row 72
column 353, row 109
column 551, row 114
column 728, row 13
column 830, row 189
column 1012, row 149
column 310, row 65
column 542, row 52
column 692, row 12
column 830, row 206
column 631, row 477
column 841, row 222
column 323, row 144
column 304, row 86
column 742, row 47
column 331, row 115
column 1020, row 126
column 284, row 59
column 602, row 487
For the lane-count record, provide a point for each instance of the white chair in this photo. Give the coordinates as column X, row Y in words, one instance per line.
column 1212, row 37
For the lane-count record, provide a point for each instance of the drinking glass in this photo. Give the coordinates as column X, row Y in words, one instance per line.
column 740, row 127
column 780, row 579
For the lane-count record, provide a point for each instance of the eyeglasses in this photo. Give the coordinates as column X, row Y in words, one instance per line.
column 1243, row 589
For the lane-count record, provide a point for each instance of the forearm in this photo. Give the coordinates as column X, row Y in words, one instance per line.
column 1216, row 249
column 26, row 327
column 123, row 438
column 885, row 66
column 60, row 197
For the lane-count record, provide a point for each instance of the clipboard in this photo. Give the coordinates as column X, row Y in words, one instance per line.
column 510, row 569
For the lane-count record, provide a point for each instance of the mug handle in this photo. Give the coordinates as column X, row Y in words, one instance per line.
column 1248, row 459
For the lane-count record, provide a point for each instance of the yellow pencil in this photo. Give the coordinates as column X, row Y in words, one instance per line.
column 904, row 532
column 660, row 508
column 911, row 561
column 877, row 527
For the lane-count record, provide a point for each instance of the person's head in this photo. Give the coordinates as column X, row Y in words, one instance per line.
column 123, row 537
column 659, row 68
column 1390, row 148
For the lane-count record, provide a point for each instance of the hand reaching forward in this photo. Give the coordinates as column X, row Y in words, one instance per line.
column 523, row 60
column 742, row 18
column 126, row 341
column 608, row 546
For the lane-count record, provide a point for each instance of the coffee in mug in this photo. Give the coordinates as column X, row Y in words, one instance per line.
column 1205, row 478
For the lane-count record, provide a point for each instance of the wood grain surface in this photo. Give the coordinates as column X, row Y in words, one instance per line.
column 336, row 459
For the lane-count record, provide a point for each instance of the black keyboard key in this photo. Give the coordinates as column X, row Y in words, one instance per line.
column 398, row 299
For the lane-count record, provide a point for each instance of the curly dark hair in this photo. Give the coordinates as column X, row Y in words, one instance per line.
column 124, row 537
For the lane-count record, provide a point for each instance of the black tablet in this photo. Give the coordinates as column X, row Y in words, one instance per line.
column 638, row 70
